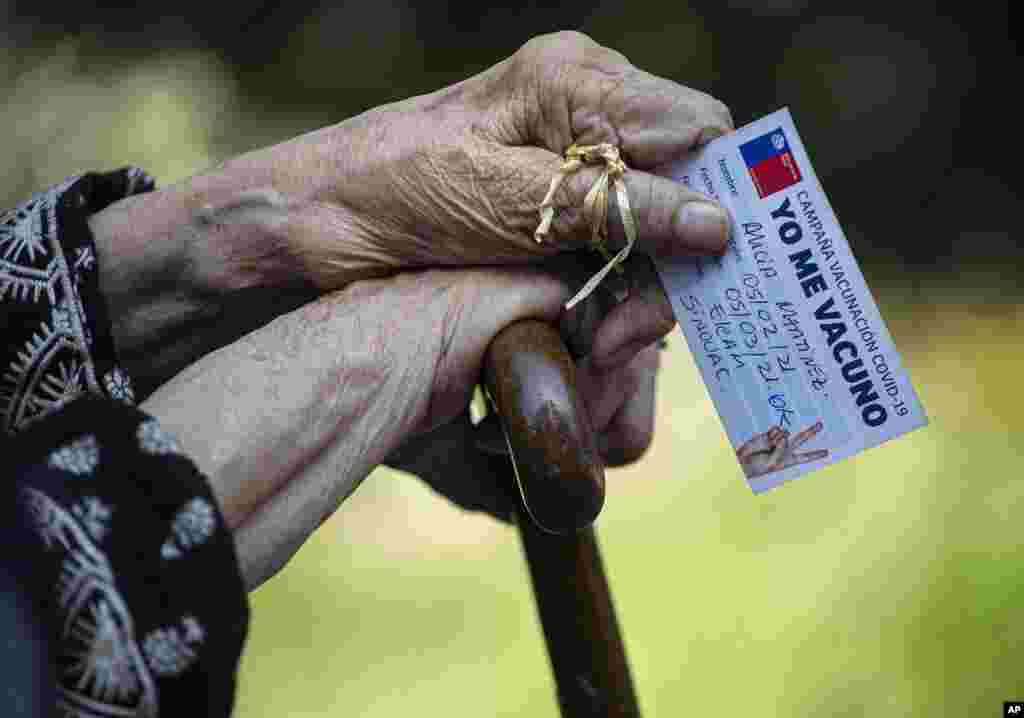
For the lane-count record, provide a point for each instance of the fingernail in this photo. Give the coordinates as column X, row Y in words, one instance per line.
column 703, row 225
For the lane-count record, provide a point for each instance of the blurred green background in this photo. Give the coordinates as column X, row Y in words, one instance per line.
column 888, row 585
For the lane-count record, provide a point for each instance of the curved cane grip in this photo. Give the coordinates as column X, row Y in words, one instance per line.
column 531, row 379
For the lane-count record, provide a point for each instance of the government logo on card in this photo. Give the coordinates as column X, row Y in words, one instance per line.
column 770, row 162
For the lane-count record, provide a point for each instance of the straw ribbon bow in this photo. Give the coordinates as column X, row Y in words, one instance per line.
column 595, row 207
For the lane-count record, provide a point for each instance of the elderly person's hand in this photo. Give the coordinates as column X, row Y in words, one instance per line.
column 450, row 178
column 288, row 420
column 456, row 177
column 459, row 459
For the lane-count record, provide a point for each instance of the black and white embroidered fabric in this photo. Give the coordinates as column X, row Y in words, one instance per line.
column 130, row 566
column 57, row 342
column 133, row 565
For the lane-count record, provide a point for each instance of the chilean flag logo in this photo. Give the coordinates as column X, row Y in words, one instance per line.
column 770, row 162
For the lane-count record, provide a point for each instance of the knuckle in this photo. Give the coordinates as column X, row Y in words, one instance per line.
column 567, row 46
column 653, row 203
column 570, row 221
column 720, row 111
column 547, row 59
column 565, row 43
column 570, row 41
column 572, row 37
column 613, row 87
column 715, row 118
column 710, row 116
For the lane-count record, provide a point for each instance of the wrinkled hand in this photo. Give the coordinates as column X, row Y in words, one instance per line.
column 456, row 177
column 450, row 178
column 288, row 420
column 774, row 450
column 465, row 463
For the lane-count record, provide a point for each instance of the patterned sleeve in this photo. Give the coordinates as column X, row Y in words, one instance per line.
column 132, row 572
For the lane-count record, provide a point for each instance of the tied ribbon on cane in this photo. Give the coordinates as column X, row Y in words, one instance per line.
column 595, row 207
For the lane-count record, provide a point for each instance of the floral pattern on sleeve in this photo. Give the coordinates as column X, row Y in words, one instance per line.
column 57, row 342
column 133, row 569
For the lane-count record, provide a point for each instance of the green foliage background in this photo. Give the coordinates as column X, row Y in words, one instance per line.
column 888, row 585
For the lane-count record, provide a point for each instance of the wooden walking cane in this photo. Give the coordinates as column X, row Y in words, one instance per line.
column 559, row 477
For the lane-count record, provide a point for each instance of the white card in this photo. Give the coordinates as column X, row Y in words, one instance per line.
column 789, row 340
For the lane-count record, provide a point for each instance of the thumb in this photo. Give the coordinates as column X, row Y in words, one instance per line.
column 670, row 219
column 479, row 303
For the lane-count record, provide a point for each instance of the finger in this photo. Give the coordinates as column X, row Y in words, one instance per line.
column 590, row 94
column 629, row 433
column 578, row 325
column 761, row 443
column 500, row 209
column 643, row 318
column 778, row 455
column 671, row 220
column 651, row 119
column 604, row 392
column 805, row 458
column 805, row 435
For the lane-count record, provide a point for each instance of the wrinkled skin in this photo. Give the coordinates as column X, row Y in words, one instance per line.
column 455, row 178
column 456, row 458
column 287, row 421
column 449, row 179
